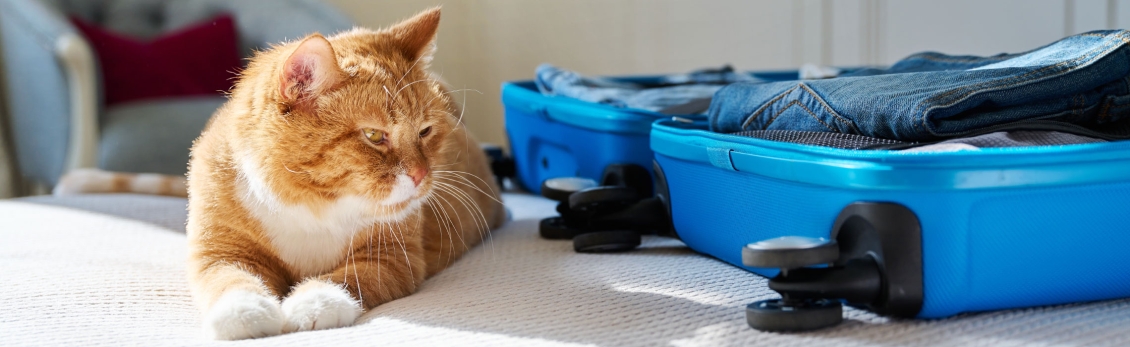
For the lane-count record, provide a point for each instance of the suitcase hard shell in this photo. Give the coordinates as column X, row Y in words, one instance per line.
column 560, row 136
column 1000, row 227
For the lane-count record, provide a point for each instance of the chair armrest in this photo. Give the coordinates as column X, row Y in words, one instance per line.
column 77, row 58
column 52, row 96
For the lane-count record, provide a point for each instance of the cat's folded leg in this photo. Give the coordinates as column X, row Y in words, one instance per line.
column 239, row 304
column 365, row 279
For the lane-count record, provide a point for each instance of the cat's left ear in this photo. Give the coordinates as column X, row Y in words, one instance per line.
column 416, row 36
column 310, row 71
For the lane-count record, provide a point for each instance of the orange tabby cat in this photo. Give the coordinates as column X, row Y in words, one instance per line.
column 335, row 179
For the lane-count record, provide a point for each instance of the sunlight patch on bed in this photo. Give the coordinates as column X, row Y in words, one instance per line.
column 395, row 331
column 686, row 293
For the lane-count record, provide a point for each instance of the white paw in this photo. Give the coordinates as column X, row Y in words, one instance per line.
column 240, row 314
column 317, row 305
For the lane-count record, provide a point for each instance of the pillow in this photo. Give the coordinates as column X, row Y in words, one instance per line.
column 197, row 60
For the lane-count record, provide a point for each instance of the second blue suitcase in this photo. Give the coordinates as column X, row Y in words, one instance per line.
column 969, row 231
column 553, row 136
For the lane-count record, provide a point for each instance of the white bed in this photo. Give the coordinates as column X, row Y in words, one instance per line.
column 116, row 278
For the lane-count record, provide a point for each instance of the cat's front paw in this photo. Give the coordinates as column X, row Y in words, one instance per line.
column 240, row 314
column 316, row 305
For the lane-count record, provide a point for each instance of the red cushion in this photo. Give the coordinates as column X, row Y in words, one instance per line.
column 198, row 60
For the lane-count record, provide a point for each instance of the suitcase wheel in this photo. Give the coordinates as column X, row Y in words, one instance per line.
column 606, row 241
column 559, row 189
column 627, row 175
column 554, row 228
column 794, row 315
column 790, row 252
column 603, row 198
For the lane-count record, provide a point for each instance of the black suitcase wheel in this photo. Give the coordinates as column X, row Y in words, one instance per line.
column 554, row 228
column 628, row 175
column 777, row 315
column 560, row 188
column 600, row 198
column 606, row 241
column 790, row 252
column 570, row 215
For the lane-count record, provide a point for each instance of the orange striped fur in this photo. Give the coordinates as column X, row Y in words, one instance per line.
column 94, row 181
column 336, row 178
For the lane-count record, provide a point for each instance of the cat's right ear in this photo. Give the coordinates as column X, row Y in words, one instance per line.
column 310, row 71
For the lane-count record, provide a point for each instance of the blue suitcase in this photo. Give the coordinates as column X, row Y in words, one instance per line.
column 926, row 234
column 996, row 228
column 559, row 136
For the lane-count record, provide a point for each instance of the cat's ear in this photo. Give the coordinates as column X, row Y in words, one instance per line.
column 309, row 71
column 415, row 37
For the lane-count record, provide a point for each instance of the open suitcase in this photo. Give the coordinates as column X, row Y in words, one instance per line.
column 559, row 136
column 924, row 235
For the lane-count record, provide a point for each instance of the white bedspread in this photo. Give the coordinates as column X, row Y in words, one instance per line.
column 75, row 278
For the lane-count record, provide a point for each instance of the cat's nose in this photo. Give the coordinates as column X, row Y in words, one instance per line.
column 418, row 174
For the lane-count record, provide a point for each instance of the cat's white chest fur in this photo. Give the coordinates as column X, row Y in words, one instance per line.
column 310, row 243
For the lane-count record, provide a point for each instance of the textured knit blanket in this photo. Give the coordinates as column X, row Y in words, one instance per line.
column 78, row 278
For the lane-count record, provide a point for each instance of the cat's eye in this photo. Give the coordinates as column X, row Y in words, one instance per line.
column 426, row 131
column 374, row 135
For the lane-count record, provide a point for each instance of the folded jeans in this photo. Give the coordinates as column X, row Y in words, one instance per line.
column 1081, row 80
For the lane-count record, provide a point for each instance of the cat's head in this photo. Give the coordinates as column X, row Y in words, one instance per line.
column 356, row 115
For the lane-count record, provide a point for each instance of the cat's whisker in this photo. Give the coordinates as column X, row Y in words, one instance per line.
column 462, row 109
column 463, row 199
column 457, row 173
column 404, row 245
column 448, row 216
column 433, row 99
column 447, row 231
column 468, row 183
column 446, row 165
column 356, row 277
column 406, row 72
column 390, row 99
column 477, row 209
column 395, row 232
column 380, row 246
column 429, row 104
column 468, row 200
column 464, row 90
column 442, row 227
column 447, row 220
column 409, row 84
column 292, row 171
column 443, row 231
column 369, row 246
column 484, row 226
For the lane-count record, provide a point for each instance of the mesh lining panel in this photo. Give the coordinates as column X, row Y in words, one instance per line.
column 826, row 139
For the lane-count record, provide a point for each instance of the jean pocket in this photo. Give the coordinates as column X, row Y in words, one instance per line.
column 801, row 109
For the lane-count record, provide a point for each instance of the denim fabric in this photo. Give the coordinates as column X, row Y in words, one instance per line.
column 1081, row 80
column 669, row 90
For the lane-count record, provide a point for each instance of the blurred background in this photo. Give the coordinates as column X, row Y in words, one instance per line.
column 481, row 44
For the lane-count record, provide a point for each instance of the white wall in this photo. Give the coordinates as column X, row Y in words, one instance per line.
column 485, row 42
